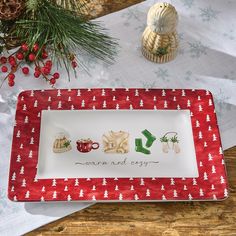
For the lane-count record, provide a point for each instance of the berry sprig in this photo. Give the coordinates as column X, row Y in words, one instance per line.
column 12, row 63
column 35, row 56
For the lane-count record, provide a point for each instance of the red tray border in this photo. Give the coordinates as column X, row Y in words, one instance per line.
column 210, row 185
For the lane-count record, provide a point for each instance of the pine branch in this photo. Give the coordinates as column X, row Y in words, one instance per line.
column 64, row 32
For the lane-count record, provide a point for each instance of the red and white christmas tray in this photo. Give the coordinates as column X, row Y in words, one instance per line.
column 207, row 181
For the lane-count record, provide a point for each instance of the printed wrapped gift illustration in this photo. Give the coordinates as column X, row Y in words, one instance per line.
column 61, row 143
column 116, row 142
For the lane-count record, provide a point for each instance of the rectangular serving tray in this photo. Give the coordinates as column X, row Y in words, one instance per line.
column 211, row 183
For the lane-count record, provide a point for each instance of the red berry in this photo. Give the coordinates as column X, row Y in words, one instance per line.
column 37, row 68
column 32, row 56
column 48, row 69
column 4, row 69
column 45, row 70
column 24, row 47
column 44, row 55
column 10, row 80
column 35, row 47
column 3, row 60
column 52, row 81
column 20, row 56
column 12, row 62
column 37, row 74
column 56, row 75
column 11, row 77
column 11, row 58
column 48, row 63
column 11, row 83
column 74, row 64
column 25, row 70
column 48, row 66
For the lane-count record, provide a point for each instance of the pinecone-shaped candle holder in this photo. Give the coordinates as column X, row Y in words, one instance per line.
column 159, row 40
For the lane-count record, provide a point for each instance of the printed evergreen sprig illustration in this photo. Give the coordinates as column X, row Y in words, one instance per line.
column 67, row 143
column 174, row 139
column 164, row 139
column 161, row 51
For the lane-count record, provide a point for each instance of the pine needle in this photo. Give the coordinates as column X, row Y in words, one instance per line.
column 64, row 32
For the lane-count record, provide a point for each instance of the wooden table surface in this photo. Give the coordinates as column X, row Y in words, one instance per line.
column 167, row 219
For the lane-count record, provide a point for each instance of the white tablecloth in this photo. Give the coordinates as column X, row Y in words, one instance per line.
column 207, row 60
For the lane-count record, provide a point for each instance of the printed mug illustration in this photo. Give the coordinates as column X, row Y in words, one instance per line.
column 86, row 145
column 139, row 143
column 61, row 143
column 116, row 142
column 174, row 140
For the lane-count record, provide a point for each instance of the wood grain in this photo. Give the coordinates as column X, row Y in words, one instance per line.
column 167, row 219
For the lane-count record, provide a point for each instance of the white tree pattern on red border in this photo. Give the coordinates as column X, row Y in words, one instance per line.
column 210, row 185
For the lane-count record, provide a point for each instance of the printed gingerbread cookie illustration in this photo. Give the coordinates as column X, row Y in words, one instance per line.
column 116, row 142
column 61, row 143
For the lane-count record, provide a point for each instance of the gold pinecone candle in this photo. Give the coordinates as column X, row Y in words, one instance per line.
column 159, row 39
